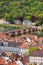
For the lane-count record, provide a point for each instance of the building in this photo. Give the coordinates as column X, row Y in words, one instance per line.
column 27, row 23
column 10, row 49
column 36, row 57
column 13, row 59
column 2, row 21
column 3, row 61
column 18, row 22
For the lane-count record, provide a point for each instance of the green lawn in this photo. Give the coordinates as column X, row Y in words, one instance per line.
column 12, row 26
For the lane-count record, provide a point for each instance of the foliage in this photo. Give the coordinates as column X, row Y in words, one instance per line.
column 20, row 18
column 38, row 33
column 32, row 49
column 24, row 32
column 12, row 27
column 12, row 34
column 19, row 33
column 33, row 18
column 12, row 9
column 41, row 29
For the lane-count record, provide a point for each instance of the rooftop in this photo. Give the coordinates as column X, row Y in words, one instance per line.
column 37, row 53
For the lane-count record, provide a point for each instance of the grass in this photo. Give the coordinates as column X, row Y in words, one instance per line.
column 12, row 26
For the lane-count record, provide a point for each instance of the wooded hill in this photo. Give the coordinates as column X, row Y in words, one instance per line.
column 12, row 9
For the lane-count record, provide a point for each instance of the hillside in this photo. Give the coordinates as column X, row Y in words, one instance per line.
column 12, row 9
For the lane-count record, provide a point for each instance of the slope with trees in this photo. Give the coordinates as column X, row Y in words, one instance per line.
column 11, row 10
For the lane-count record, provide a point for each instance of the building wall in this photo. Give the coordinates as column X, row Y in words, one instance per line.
column 10, row 49
column 38, row 60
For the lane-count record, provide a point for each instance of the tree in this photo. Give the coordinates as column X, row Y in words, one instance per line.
column 19, row 33
column 24, row 31
column 11, row 19
column 21, row 9
column 32, row 49
column 13, row 34
column 41, row 21
column 20, row 18
column 33, row 18
column 27, row 17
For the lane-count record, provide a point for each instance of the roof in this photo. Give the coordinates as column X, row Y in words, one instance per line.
column 15, row 55
column 2, row 35
column 12, row 63
column 24, row 45
column 32, row 43
column 2, row 61
column 39, row 39
column 40, row 46
column 23, row 60
column 31, row 36
column 19, row 58
column 5, row 53
column 37, row 53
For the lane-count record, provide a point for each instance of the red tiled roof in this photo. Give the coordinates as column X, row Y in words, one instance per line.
column 24, row 45
column 2, row 35
column 39, row 39
column 15, row 55
column 20, row 58
column 32, row 43
column 2, row 61
column 23, row 60
column 5, row 53
column 12, row 63
column 31, row 36
column 40, row 46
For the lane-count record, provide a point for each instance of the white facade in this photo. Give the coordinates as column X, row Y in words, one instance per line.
column 7, row 22
column 23, row 51
column 27, row 22
column 10, row 49
column 2, row 21
column 18, row 22
column 37, row 60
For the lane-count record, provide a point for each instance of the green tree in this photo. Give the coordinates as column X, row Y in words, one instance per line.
column 31, row 49
column 12, row 9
